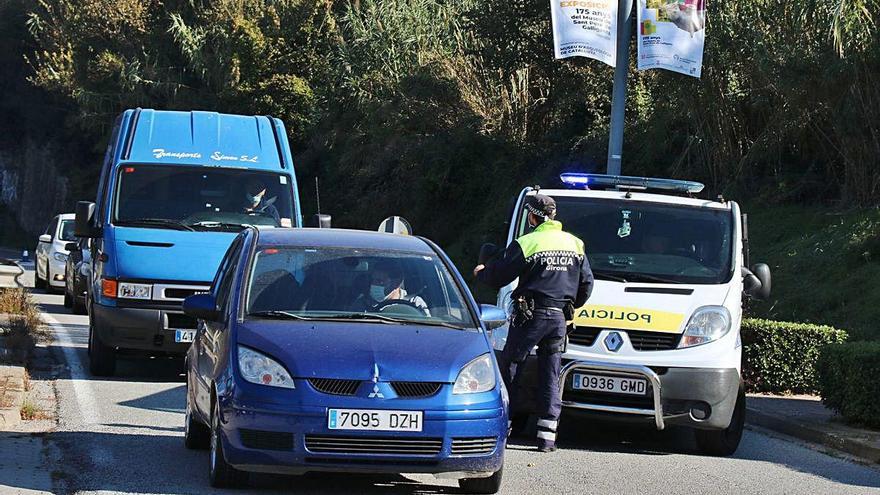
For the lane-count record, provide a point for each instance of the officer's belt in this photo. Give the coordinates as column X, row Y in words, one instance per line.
column 542, row 301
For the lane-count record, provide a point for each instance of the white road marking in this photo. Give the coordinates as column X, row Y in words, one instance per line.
column 79, row 377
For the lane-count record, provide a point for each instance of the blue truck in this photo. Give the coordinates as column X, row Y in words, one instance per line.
column 175, row 189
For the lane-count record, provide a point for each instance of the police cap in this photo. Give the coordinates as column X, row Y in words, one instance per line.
column 541, row 205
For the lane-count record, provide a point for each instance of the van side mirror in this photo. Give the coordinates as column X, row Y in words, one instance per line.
column 757, row 281
column 201, row 307
column 492, row 316
column 84, row 224
column 45, row 238
column 320, row 221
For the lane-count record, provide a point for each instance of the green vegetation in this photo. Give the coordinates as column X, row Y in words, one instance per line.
column 848, row 381
column 825, row 263
column 780, row 357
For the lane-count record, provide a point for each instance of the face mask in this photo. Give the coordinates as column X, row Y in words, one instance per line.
column 377, row 292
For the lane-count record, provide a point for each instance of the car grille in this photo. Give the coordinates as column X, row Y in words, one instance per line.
column 334, row 386
column 472, row 446
column 322, row 444
column 416, row 389
column 266, row 440
column 640, row 340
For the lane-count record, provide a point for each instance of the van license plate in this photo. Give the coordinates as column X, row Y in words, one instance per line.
column 184, row 335
column 374, row 420
column 610, row 384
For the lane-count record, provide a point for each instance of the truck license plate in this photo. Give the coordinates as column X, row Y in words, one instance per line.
column 374, row 420
column 610, row 384
column 184, row 335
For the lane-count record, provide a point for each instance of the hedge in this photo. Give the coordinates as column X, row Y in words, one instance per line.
column 848, row 381
column 780, row 357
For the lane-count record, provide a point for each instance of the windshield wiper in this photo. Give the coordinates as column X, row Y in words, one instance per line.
column 643, row 277
column 214, row 225
column 279, row 314
column 390, row 319
column 607, row 276
column 155, row 222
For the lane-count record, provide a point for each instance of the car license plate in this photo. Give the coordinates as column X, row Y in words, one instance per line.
column 610, row 384
column 184, row 335
column 374, row 420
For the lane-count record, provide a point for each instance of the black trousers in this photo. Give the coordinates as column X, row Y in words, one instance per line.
column 546, row 328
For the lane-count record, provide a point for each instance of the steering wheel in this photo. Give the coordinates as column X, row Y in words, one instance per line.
column 382, row 305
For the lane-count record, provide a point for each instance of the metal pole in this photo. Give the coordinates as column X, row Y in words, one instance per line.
column 618, row 99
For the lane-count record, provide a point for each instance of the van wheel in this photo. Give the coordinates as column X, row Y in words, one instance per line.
column 724, row 442
column 221, row 474
column 102, row 358
column 482, row 485
column 196, row 435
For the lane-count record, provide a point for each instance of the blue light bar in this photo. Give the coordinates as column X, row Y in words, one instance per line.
column 601, row 181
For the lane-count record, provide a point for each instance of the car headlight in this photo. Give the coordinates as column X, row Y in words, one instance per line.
column 707, row 324
column 262, row 370
column 60, row 257
column 130, row 290
column 476, row 376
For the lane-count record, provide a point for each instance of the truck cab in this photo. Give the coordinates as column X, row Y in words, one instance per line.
column 175, row 189
column 658, row 340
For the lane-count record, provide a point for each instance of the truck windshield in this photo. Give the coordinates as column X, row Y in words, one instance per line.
column 650, row 242
column 200, row 198
column 334, row 283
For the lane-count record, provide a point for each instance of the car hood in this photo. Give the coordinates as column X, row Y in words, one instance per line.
column 352, row 350
column 160, row 254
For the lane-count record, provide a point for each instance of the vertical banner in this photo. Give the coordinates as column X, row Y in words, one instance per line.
column 671, row 35
column 585, row 28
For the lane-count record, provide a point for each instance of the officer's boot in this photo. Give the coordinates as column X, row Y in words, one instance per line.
column 547, row 435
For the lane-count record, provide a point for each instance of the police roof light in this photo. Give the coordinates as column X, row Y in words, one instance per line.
column 601, row 181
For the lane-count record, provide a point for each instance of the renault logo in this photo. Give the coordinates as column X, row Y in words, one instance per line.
column 613, row 341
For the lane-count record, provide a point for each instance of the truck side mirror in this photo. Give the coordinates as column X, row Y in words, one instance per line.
column 756, row 281
column 321, row 221
column 84, row 224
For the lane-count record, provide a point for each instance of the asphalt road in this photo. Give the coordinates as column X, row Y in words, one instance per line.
column 125, row 435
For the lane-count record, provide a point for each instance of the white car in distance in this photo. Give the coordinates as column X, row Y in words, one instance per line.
column 51, row 253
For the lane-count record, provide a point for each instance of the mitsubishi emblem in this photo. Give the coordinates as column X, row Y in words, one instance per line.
column 376, row 394
column 613, row 342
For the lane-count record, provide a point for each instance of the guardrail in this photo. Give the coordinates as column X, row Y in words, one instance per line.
column 10, row 273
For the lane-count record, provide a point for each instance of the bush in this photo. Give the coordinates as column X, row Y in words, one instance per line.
column 780, row 357
column 848, row 381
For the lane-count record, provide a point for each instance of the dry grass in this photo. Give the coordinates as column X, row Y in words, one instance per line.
column 30, row 411
column 22, row 328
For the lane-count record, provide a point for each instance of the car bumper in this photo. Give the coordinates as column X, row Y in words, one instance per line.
column 56, row 276
column 144, row 329
column 702, row 398
column 277, row 440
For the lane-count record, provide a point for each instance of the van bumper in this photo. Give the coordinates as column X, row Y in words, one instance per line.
column 143, row 329
column 702, row 398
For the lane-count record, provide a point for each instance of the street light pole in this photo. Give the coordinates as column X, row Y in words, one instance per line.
column 618, row 99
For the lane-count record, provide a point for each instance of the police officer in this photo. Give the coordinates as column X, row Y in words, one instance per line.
column 554, row 278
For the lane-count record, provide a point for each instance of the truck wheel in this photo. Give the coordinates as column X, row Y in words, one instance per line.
column 482, row 485
column 196, row 435
column 102, row 358
column 724, row 442
column 221, row 474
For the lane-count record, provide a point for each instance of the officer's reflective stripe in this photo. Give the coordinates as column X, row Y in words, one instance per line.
column 549, row 237
column 547, row 435
column 548, row 424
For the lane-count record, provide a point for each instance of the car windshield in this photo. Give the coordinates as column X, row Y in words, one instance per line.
column 355, row 284
column 650, row 242
column 201, row 198
column 67, row 231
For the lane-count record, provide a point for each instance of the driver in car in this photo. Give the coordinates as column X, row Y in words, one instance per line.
column 386, row 288
column 256, row 201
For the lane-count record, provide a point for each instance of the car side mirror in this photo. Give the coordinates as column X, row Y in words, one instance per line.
column 201, row 307
column 757, row 281
column 84, row 224
column 320, row 221
column 492, row 316
column 45, row 238
column 71, row 246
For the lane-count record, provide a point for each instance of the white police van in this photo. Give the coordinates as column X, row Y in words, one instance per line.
column 659, row 338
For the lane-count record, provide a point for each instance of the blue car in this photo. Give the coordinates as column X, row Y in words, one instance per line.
column 351, row 351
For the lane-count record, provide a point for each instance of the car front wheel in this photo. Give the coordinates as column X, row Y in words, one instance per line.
column 40, row 283
column 221, row 474
column 482, row 485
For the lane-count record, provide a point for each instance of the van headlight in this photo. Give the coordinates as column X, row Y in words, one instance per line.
column 258, row 368
column 475, row 377
column 707, row 324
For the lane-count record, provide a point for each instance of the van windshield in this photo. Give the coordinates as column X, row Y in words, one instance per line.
column 650, row 242
column 201, row 198
column 334, row 283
